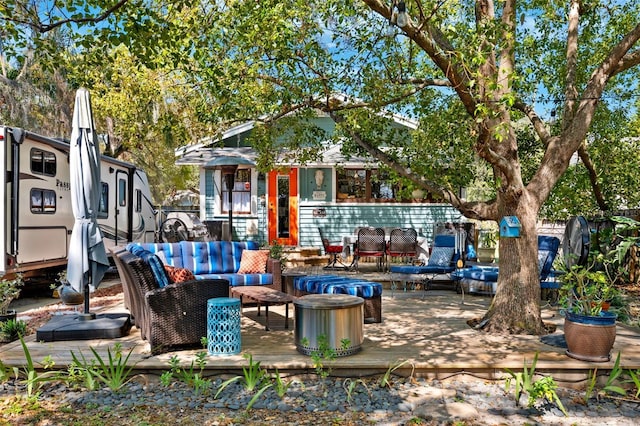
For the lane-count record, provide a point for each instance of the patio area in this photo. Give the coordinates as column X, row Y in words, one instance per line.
column 427, row 330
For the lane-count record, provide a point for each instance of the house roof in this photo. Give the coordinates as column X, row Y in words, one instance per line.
column 201, row 153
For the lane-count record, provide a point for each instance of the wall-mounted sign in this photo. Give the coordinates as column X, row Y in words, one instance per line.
column 319, row 212
column 319, row 195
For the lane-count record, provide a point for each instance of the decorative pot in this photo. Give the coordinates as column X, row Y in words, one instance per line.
column 590, row 338
column 69, row 296
column 10, row 315
column 486, row 254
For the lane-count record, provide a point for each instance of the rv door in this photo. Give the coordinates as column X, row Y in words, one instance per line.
column 6, row 202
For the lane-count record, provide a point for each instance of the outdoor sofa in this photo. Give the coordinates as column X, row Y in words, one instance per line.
column 170, row 317
column 239, row 262
column 166, row 285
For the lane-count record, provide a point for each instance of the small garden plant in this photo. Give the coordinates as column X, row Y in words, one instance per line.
column 12, row 329
column 535, row 389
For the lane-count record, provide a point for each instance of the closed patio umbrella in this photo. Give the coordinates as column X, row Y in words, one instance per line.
column 88, row 260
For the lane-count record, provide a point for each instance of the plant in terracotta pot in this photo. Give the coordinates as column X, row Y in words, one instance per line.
column 587, row 290
column 589, row 330
column 9, row 290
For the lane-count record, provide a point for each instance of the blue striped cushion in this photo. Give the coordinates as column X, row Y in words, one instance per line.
column 214, row 257
column 170, row 253
column 408, row 269
column 334, row 284
column 478, row 273
column 157, row 267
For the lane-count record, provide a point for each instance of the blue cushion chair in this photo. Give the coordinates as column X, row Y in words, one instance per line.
column 442, row 260
column 482, row 279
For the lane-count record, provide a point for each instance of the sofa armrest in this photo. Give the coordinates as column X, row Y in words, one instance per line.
column 275, row 268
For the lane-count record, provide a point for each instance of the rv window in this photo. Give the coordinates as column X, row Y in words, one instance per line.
column 43, row 201
column 138, row 200
column 103, row 209
column 43, row 162
column 122, row 192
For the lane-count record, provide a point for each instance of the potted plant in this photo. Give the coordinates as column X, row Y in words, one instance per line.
column 587, row 290
column 67, row 294
column 487, row 242
column 9, row 290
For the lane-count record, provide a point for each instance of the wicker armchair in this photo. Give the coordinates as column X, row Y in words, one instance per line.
column 172, row 317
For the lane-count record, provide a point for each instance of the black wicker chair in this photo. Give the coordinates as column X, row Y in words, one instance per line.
column 172, row 317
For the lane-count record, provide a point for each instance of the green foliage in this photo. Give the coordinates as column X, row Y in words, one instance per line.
column 30, row 375
column 385, row 380
column 10, row 289
column 350, row 385
column 277, row 252
column 280, row 385
column 634, row 377
column 114, row 372
column 12, row 329
column 80, row 373
column 192, row 376
column 324, row 353
column 525, row 382
column 585, row 288
column 254, row 376
column 5, row 372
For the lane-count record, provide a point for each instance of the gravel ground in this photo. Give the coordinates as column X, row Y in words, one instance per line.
column 462, row 400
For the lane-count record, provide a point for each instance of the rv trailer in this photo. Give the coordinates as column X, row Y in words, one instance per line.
column 36, row 214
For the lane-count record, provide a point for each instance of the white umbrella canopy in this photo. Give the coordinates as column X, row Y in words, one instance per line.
column 88, row 260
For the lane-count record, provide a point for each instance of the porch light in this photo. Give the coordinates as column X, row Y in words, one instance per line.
column 228, row 165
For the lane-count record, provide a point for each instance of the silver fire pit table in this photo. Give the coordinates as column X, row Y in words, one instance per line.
column 329, row 321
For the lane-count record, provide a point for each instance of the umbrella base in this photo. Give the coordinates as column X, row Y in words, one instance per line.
column 77, row 327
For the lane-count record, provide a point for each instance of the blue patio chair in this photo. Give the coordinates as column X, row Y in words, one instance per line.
column 442, row 260
column 479, row 279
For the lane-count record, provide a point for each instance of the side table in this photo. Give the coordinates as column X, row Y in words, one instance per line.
column 223, row 326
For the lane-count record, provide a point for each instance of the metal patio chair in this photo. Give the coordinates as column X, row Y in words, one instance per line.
column 371, row 243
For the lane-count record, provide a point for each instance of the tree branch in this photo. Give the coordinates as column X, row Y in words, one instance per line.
column 571, row 93
column 43, row 28
column 538, row 125
column 593, row 177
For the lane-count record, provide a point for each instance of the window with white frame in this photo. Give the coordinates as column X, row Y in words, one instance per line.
column 241, row 192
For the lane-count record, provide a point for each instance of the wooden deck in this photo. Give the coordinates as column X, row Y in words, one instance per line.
column 429, row 331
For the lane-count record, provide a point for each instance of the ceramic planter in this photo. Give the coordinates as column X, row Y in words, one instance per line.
column 486, row 254
column 590, row 338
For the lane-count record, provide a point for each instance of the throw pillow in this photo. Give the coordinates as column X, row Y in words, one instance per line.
column 441, row 256
column 179, row 275
column 253, row 262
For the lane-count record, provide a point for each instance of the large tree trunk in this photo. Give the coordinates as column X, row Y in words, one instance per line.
column 516, row 305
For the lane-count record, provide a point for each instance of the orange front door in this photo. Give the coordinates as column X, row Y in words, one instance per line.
column 282, row 199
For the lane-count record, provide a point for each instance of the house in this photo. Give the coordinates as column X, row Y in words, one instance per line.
column 289, row 204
